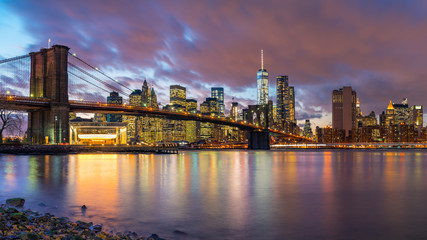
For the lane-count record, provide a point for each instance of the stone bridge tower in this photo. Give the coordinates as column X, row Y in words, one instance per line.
column 49, row 79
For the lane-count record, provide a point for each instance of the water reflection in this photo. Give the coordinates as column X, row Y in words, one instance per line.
column 231, row 194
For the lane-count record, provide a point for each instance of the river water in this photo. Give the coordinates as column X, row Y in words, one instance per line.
column 231, row 194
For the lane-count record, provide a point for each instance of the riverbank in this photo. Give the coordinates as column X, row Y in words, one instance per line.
column 73, row 149
column 17, row 223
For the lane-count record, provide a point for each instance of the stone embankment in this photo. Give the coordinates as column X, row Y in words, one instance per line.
column 67, row 149
column 17, row 223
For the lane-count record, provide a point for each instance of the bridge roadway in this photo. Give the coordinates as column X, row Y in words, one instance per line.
column 20, row 103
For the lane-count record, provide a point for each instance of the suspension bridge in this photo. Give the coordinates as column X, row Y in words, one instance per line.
column 53, row 82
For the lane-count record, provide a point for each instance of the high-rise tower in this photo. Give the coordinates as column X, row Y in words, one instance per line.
column 262, row 83
column 344, row 109
column 218, row 93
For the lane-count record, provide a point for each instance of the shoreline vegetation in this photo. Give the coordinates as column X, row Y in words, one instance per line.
column 19, row 223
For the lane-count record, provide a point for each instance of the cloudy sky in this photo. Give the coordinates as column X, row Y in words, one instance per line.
column 377, row 47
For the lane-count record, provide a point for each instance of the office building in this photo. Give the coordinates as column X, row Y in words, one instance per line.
column 178, row 95
column 262, row 83
column 218, row 93
column 114, row 98
column 285, row 104
column 234, row 111
column 344, row 109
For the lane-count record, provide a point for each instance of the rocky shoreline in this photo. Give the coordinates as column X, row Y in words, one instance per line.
column 18, row 223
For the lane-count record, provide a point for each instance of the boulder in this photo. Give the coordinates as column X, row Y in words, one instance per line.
column 15, row 202
column 29, row 236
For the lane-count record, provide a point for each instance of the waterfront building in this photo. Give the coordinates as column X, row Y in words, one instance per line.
column 329, row 135
column 178, row 95
column 192, row 128
column 210, row 107
column 93, row 133
column 344, row 109
column 114, row 98
column 218, row 93
column 262, row 83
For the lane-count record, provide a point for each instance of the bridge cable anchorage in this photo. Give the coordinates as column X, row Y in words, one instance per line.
column 96, row 69
column 14, row 58
column 97, row 79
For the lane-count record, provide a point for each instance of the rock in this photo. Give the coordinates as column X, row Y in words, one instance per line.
column 18, row 217
column 97, row 228
column 179, row 232
column 154, row 237
column 15, row 202
column 42, row 205
column 11, row 210
column 29, row 236
column 84, row 225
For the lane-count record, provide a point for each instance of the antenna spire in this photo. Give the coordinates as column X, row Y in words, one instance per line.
column 262, row 59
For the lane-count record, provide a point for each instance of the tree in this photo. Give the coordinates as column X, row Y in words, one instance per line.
column 9, row 121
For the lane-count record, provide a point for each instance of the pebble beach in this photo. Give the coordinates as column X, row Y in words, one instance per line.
column 19, row 223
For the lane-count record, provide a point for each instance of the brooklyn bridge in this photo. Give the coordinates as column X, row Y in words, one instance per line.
column 40, row 84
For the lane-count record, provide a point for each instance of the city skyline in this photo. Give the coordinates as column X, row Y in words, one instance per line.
column 339, row 44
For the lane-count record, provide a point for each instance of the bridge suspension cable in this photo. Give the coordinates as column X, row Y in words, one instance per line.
column 81, row 78
column 14, row 58
column 96, row 69
column 98, row 80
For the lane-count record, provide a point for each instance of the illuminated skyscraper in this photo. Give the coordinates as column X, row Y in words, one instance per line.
column 344, row 109
column 178, row 94
column 234, row 112
column 417, row 115
column 114, row 98
column 135, row 98
column 145, row 94
column 218, row 93
column 262, row 83
column 285, row 103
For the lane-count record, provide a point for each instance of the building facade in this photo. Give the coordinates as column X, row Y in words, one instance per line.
column 344, row 109
column 218, row 93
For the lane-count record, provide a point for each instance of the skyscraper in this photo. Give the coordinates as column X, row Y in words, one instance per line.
column 218, row 93
column 178, row 94
column 262, row 83
column 292, row 104
column 234, row 112
column 285, row 103
column 282, row 100
column 145, row 94
column 135, row 98
column 344, row 109
column 114, row 98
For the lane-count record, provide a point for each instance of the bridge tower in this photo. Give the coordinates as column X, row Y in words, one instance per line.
column 49, row 79
column 259, row 139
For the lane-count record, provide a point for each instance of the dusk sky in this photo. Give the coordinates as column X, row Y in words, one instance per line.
column 377, row 47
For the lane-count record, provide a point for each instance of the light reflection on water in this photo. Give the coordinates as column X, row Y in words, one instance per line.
column 231, row 194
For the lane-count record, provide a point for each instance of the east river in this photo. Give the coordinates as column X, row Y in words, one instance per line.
column 329, row 194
